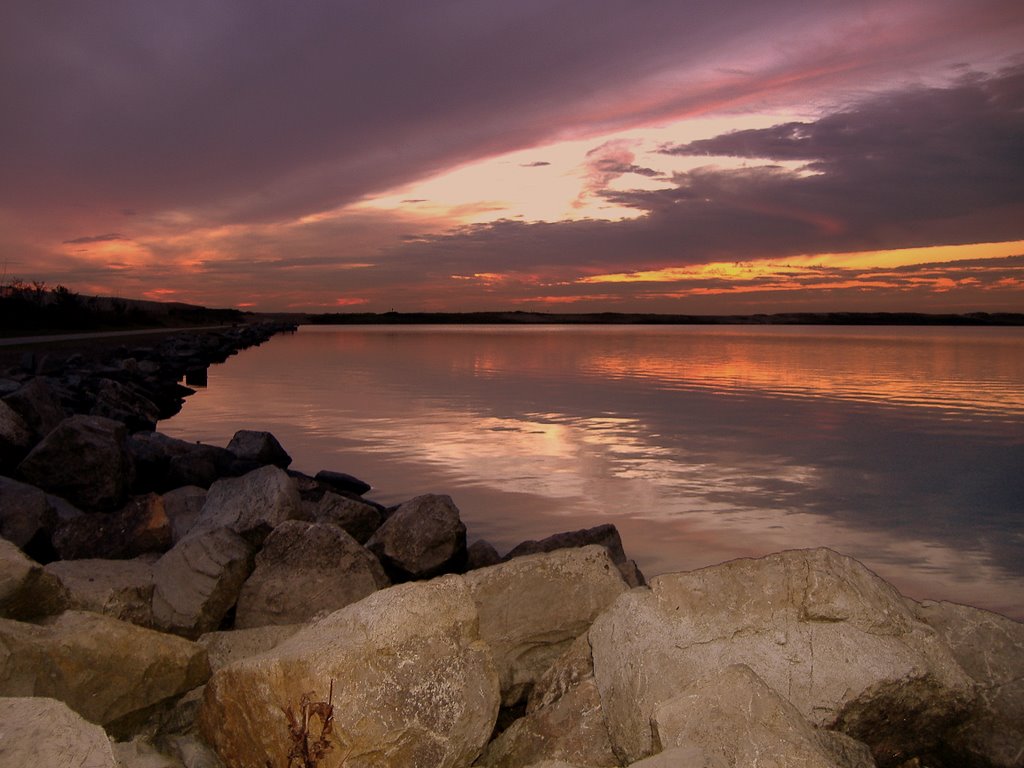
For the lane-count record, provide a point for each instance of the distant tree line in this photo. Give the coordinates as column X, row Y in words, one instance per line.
column 34, row 307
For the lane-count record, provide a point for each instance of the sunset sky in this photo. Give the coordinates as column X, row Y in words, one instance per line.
column 557, row 155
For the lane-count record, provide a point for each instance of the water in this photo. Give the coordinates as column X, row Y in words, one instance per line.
column 903, row 447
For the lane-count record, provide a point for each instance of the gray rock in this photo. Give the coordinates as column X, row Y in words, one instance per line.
column 820, row 629
column 122, row 589
column 259, row 447
column 126, row 404
column 183, row 506
column 413, row 684
column 102, row 668
column 306, row 570
column 25, row 512
column 38, row 731
column 15, row 436
column 606, row 535
column 424, row 537
column 534, row 607
column 357, row 518
column 735, row 716
column 198, row 581
column 38, row 404
column 990, row 648
column 84, row 460
column 572, row 668
column 340, row 481
column 251, row 505
column 481, row 554
column 163, row 463
column 27, row 591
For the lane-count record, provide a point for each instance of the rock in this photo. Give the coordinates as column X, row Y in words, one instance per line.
column 15, row 436
column 25, row 512
column 339, row 481
column 357, row 518
column 198, row 581
column 226, row 648
column 572, row 728
column 481, row 554
column 251, row 505
column 102, row 668
column 732, row 714
column 38, row 404
column 140, row 753
column 305, row 570
column 820, row 629
column 259, row 447
column 424, row 537
column 533, row 608
column 122, row 589
column 139, row 527
column 681, row 757
column 27, row 591
column 413, row 685
column 84, row 460
column 164, row 463
column 573, row 667
column 38, row 731
column 990, row 648
column 183, row 506
column 606, row 535
column 126, row 404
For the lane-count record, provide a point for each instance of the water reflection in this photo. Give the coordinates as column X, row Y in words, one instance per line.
column 901, row 447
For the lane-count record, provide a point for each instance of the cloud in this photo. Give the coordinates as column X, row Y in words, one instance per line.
column 536, row 164
column 95, row 239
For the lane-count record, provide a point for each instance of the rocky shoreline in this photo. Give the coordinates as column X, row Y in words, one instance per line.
column 166, row 604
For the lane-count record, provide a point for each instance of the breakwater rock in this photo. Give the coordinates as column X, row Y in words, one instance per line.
column 169, row 604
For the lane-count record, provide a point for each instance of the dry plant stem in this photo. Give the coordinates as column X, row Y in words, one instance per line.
column 306, row 751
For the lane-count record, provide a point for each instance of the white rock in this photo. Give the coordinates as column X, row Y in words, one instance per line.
column 45, row 733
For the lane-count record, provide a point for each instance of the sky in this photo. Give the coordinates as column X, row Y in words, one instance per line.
column 553, row 155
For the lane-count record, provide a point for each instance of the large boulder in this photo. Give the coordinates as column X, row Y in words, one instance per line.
column 424, row 537
column 163, row 463
column 183, row 506
column 15, row 436
column 251, row 505
column 342, row 482
column 228, row 647
column 990, row 648
column 732, row 714
column 607, row 535
column 122, row 589
column 139, row 527
column 27, row 591
column 259, row 447
column 198, row 581
column 533, row 608
column 305, row 570
column 38, row 404
column 830, row 636
column 102, row 668
column 357, row 518
column 84, row 460
column 25, row 512
column 38, row 731
column 413, row 685
column 125, row 403
column 572, row 728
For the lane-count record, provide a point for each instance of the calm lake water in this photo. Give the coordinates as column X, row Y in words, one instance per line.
column 903, row 447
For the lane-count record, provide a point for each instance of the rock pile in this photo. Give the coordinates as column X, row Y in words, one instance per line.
column 167, row 604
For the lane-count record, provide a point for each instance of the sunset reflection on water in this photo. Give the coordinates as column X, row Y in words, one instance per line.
column 899, row 446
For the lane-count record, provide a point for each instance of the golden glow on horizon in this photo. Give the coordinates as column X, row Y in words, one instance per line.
column 796, row 266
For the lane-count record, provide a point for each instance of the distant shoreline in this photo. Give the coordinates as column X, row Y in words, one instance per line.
column 617, row 318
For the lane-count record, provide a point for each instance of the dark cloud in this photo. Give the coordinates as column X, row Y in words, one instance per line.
column 914, row 167
column 95, row 239
column 238, row 112
column 537, row 164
